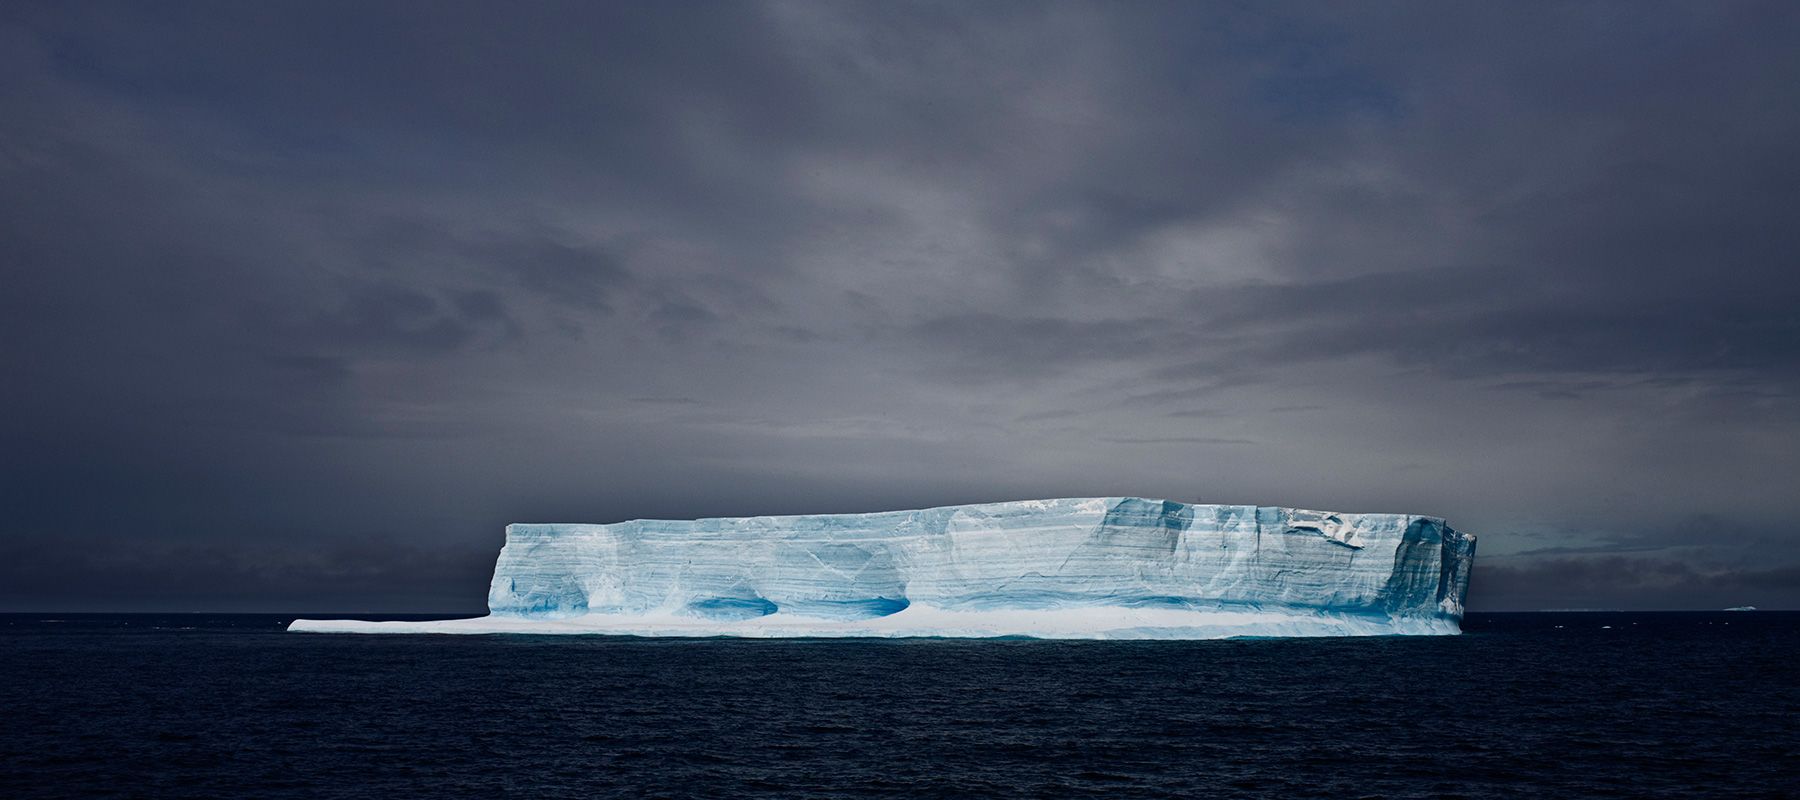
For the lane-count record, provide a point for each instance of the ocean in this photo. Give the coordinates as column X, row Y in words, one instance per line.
column 1521, row 705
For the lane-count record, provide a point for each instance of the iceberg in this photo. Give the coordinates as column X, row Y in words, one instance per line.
column 1082, row 568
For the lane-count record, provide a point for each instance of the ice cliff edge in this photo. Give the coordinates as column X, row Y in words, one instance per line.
column 1070, row 568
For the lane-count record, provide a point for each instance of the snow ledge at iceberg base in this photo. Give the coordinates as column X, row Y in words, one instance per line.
column 1081, row 568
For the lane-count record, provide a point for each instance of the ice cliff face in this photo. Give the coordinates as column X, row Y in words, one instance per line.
column 1092, row 567
column 1034, row 555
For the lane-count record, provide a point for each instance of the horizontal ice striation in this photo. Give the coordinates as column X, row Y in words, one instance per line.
column 1077, row 568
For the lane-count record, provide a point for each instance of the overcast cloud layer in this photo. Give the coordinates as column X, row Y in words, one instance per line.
column 301, row 303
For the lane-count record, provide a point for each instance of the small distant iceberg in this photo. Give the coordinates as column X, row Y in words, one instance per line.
column 1741, row 608
column 1078, row 568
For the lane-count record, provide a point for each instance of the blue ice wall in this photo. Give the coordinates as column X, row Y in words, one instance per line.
column 1038, row 554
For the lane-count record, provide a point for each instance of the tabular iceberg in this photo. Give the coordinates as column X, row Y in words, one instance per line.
column 1070, row 568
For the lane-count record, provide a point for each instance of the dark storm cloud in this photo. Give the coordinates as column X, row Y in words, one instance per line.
column 315, row 297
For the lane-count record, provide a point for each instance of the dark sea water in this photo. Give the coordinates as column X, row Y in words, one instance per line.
column 1522, row 705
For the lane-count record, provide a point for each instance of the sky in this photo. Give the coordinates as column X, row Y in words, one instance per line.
column 301, row 303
